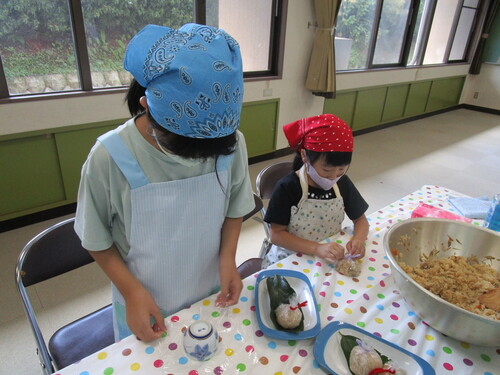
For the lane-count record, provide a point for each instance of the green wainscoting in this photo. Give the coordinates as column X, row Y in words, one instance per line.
column 41, row 169
column 74, row 146
column 30, row 173
column 342, row 106
column 259, row 123
column 444, row 93
column 368, row 107
column 418, row 95
column 395, row 101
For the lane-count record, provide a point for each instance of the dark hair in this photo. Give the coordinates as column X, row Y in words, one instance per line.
column 194, row 148
column 134, row 93
column 333, row 158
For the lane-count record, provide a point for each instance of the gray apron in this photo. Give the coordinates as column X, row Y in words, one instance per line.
column 312, row 219
column 175, row 234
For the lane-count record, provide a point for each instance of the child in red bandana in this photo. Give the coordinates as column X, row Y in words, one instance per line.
column 308, row 205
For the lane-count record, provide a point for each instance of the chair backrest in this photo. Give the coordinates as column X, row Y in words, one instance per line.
column 266, row 180
column 257, row 208
column 55, row 251
column 249, row 266
column 269, row 176
column 51, row 253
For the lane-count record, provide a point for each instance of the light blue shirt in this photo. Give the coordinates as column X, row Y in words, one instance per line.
column 103, row 215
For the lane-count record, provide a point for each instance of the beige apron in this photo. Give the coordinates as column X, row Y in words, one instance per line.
column 312, row 219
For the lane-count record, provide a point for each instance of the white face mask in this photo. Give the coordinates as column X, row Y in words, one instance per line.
column 323, row 182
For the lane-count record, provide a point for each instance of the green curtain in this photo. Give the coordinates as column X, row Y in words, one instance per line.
column 321, row 72
column 477, row 60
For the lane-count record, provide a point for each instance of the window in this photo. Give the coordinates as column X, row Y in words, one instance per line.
column 78, row 45
column 442, row 25
column 385, row 33
column 109, row 25
column 354, row 27
column 252, row 33
column 391, row 32
column 463, row 33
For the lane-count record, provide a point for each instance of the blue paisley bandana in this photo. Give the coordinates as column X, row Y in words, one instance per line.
column 193, row 78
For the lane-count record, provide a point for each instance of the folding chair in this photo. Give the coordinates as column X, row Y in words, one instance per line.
column 55, row 251
column 258, row 206
column 251, row 265
column 266, row 180
column 51, row 253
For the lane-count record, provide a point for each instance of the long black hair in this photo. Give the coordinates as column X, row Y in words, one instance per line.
column 332, row 158
column 183, row 146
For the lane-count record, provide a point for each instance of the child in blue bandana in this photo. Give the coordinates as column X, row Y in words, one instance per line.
column 161, row 197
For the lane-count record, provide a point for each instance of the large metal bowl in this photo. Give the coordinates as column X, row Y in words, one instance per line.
column 419, row 236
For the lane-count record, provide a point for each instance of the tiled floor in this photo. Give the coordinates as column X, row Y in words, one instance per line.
column 459, row 150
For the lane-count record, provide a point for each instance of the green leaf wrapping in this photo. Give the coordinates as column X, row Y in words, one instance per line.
column 347, row 343
column 280, row 292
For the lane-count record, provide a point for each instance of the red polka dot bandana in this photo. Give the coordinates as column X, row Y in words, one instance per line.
column 323, row 133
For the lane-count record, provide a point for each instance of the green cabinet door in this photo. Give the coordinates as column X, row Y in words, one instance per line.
column 395, row 101
column 73, row 148
column 30, row 172
column 342, row 106
column 258, row 124
column 417, row 98
column 445, row 93
column 369, row 107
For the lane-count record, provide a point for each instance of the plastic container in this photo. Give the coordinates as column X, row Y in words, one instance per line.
column 426, row 210
column 492, row 220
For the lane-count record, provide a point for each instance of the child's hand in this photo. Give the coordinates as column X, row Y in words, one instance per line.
column 140, row 307
column 230, row 287
column 330, row 251
column 356, row 247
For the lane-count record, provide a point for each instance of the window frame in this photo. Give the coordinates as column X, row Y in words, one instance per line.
column 476, row 29
column 411, row 22
column 405, row 48
column 276, row 54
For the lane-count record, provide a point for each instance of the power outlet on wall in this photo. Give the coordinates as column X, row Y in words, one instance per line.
column 476, row 94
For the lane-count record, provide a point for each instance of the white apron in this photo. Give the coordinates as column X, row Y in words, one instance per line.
column 312, row 219
column 175, row 234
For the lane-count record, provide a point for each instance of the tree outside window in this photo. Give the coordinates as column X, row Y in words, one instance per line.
column 405, row 32
column 71, row 45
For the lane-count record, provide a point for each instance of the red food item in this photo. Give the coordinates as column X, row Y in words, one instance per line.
column 381, row 371
column 302, row 304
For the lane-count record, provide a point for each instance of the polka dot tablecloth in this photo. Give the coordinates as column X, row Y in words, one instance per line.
column 369, row 301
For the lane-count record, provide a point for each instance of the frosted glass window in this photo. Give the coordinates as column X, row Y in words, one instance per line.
column 462, row 34
column 440, row 31
column 249, row 22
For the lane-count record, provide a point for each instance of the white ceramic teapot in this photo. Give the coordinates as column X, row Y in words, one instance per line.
column 201, row 340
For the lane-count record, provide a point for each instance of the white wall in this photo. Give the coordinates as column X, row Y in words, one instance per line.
column 486, row 85
column 295, row 101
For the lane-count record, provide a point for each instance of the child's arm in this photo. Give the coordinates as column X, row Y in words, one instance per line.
column 230, row 281
column 281, row 237
column 357, row 243
column 139, row 303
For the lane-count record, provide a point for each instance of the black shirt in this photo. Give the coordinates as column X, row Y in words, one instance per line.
column 287, row 193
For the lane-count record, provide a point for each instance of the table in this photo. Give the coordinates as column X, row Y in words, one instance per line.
column 369, row 301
